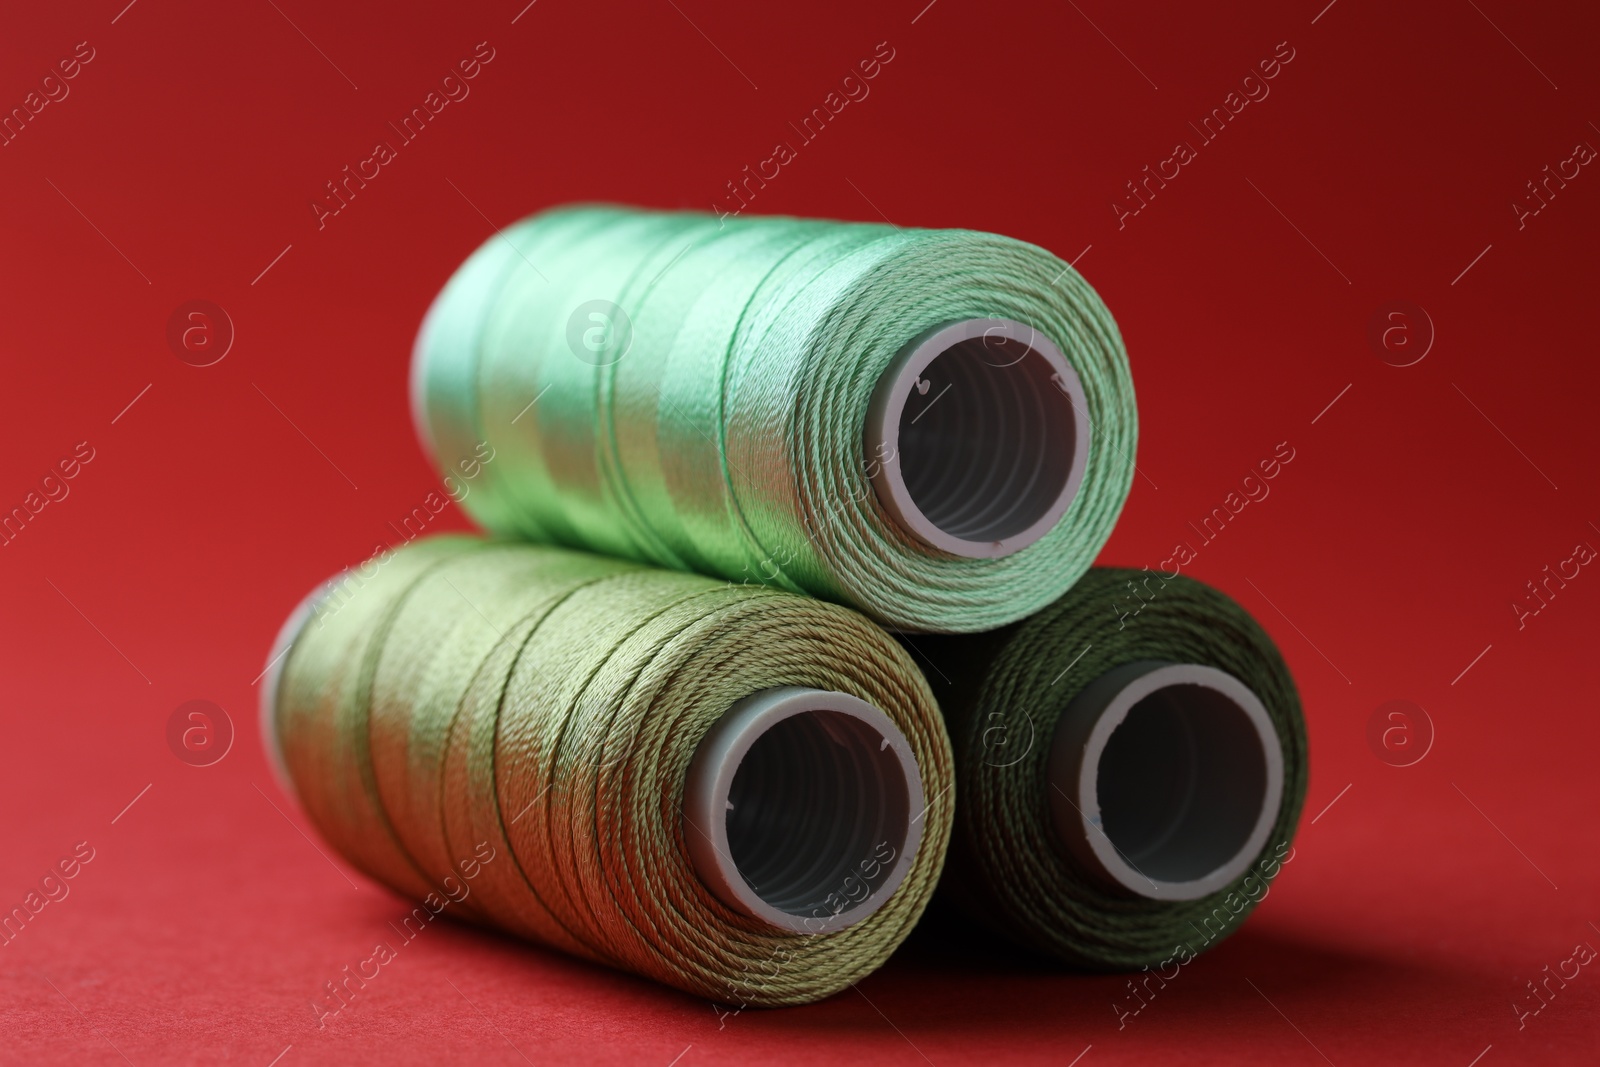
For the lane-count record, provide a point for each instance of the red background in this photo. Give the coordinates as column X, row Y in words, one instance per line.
column 1391, row 548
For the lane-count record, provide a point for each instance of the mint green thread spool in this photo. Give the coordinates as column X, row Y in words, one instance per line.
column 936, row 427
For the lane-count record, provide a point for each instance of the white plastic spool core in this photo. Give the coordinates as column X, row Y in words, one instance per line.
column 1166, row 778
column 977, row 437
column 802, row 808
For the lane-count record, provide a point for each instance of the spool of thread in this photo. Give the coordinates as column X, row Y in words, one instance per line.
column 933, row 426
column 1132, row 765
column 736, row 791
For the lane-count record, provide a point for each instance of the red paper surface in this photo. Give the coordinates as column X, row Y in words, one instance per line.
column 1383, row 164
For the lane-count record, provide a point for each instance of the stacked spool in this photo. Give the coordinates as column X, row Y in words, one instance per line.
column 935, row 427
column 743, row 787
column 724, row 788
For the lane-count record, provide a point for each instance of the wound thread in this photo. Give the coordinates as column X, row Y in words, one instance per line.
column 550, row 703
column 695, row 393
column 1005, row 694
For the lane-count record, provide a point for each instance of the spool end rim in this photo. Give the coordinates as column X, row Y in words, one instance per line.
column 849, row 722
column 1058, row 422
column 1226, row 710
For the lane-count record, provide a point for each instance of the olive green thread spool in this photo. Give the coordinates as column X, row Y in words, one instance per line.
column 591, row 719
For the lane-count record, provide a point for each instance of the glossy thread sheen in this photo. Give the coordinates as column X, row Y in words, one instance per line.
column 547, row 703
column 711, row 418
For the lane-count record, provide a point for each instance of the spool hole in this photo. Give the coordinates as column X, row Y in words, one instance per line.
column 1165, row 778
column 816, row 807
column 799, row 806
column 1181, row 783
column 976, row 439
